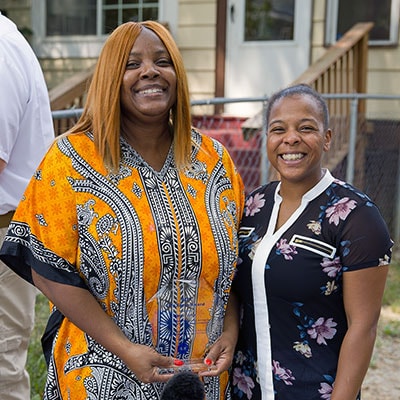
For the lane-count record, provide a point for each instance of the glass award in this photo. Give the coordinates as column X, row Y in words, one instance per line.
column 186, row 318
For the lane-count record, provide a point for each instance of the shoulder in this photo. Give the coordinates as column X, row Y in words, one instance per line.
column 260, row 201
column 74, row 145
column 356, row 222
column 212, row 154
column 264, row 191
column 210, row 150
column 15, row 51
column 344, row 202
column 76, row 139
column 207, row 142
column 343, row 188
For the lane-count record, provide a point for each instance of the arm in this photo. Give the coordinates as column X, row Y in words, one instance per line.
column 82, row 309
column 14, row 97
column 362, row 295
column 2, row 165
column 221, row 352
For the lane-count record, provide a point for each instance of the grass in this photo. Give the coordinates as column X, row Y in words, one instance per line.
column 391, row 296
column 36, row 364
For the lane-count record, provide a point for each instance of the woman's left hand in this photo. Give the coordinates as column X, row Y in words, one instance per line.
column 220, row 356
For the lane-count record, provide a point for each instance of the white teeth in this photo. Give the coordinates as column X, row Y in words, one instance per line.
column 149, row 91
column 292, row 157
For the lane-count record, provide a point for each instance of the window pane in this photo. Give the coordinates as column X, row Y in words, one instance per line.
column 79, row 17
column 377, row 11
column 150, row 13
column 72, row 17
column 269, row 20
column 130, row 15
column 110, row 21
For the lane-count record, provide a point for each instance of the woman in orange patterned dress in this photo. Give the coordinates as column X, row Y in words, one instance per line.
column 129, row 227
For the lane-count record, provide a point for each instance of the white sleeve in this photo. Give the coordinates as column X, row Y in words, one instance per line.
column 14, row 95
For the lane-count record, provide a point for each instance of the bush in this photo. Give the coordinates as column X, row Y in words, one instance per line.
column 36, row 364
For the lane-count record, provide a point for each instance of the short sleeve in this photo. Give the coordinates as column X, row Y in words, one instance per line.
column 44, row 227
column 12, row 100
column 365, row 239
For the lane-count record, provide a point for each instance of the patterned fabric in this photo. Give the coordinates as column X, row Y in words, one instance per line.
column 336, row 229
column 156, row 249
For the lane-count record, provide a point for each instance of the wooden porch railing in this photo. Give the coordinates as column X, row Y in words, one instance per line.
column 68, row 95
column 342, row 69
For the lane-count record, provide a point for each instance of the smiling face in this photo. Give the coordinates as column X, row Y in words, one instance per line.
column 297, row 139
column 148, row 88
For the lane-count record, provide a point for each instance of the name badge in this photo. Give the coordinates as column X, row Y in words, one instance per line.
column 316, row 246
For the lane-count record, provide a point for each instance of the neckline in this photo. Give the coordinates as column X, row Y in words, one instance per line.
column 138, row 161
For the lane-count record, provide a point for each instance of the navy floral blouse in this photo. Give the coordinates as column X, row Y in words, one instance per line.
column 295, row 277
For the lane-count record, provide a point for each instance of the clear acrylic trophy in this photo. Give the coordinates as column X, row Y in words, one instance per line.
column 186, row 318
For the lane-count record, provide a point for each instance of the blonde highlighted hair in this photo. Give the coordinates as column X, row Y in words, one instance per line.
column 102, row 112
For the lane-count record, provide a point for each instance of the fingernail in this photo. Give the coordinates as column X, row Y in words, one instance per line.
column 208, row 361
column 178, row 362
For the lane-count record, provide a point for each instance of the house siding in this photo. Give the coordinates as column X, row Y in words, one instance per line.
column 195, row 34
column 56, row 70
column 383, row 72
column 196, row 38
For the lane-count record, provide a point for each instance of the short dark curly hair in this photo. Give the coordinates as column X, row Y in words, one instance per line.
column 301, row 89
column 185, row 385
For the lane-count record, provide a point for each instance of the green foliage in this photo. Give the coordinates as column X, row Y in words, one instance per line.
column 392, row 329
column 36, row 364
column 391, row 296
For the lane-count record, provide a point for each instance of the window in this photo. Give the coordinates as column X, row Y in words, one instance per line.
column 95, row 17
column 115, row 12
column 343, row 14
column 79, row 28
column 269, row 20
column 72, row 17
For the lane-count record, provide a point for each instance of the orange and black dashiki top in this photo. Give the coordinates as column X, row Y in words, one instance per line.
column 157, row 249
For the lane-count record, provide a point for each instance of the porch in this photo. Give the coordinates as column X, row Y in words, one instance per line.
column 340, row 75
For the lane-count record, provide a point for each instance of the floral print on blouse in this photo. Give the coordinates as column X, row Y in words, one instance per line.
column 339, row 230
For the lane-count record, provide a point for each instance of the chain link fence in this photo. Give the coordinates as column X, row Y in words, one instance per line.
column 365, row 149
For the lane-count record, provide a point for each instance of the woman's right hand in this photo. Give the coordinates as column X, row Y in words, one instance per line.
column 83, row 310
column 146, row 363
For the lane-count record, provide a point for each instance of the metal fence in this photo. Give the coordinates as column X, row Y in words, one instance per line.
column 371, row 160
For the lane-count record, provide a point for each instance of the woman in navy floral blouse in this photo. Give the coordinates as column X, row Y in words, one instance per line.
column 314, row 255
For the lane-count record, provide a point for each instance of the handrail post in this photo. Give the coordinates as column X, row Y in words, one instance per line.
column 397, row 211
column 264, row 157
column 352, row 140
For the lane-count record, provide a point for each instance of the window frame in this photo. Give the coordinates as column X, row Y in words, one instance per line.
column 332, row 8
column 268, row 40
column 82, row 46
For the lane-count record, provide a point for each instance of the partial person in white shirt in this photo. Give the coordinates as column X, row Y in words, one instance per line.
column 26, row 131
